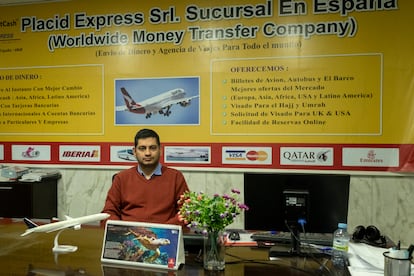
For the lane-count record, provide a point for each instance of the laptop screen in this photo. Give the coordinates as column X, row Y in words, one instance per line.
column 142, row 244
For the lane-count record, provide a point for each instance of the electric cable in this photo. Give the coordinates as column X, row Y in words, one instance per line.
column 310, row 253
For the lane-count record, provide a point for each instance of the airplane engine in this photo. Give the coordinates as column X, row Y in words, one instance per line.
column 184, row 104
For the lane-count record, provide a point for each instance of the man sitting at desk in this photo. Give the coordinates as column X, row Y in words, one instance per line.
column 149, row 191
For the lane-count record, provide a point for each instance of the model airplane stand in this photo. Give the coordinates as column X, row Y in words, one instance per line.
column 61, row 248
column 74, row 223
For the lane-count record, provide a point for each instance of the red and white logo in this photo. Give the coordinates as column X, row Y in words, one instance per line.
column 80, row 153
column 31, row 152
column 371, row 157
column 247, row 155
column 171, row 262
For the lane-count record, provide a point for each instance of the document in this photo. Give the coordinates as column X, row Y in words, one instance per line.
column 366, row 260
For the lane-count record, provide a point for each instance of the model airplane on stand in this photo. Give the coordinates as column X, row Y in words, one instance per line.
column 74, row 223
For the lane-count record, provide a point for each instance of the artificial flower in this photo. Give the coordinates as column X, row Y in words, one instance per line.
column 210, row 213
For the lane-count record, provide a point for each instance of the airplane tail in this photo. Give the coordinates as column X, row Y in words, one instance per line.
column 131, row 105
column 30, row 224
column 129, row 101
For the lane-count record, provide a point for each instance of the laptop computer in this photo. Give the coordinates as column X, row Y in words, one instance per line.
column 150, row 245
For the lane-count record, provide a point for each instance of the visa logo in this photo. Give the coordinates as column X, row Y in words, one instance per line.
column 235, row 154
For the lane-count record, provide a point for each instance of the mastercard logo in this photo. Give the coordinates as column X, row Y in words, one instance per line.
column 256, row 155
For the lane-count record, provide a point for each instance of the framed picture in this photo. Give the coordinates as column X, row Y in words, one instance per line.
column 151, row 245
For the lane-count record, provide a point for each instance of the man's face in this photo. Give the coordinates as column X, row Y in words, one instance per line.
column 147, row 152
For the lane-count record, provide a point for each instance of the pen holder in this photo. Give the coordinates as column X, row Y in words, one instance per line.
column 397, row 263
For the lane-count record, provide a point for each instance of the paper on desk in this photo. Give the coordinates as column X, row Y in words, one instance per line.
column 37, row 175
column 367, row 260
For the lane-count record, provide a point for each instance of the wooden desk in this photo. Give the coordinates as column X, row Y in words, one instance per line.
column 32, row 255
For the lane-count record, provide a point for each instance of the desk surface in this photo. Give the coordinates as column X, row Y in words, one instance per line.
column 32, row 255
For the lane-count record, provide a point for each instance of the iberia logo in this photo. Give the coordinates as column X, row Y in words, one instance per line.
column 256, row 155
column 79, row 153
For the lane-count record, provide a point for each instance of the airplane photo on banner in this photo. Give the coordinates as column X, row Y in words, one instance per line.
column 157, row 101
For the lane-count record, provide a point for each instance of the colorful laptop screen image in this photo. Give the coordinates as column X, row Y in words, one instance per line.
column 142, row 244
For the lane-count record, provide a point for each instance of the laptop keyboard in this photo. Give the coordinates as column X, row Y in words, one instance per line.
column 324, row 239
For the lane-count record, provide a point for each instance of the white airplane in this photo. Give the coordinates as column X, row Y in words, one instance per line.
column 158, row 104
column 60, row 226
column 69, row 222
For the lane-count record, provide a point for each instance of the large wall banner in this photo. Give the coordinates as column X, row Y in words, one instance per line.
column 259, row 84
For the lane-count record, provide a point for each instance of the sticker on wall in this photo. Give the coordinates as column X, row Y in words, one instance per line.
column 31, row 152
column 247, row 155
column 306, row 156
column 80, row 153
column 371, row 157
column 181, row 154
column 122, row 154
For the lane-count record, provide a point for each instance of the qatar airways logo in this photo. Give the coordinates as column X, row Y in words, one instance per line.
column 308, row 156
column 247, row 155
column 80, row 153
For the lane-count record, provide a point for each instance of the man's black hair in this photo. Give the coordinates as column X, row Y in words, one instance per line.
column 146, row 133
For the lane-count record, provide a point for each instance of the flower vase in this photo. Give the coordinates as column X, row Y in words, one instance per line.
column 214, row 251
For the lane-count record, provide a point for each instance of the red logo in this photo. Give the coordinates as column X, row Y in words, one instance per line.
column 253, row 155
column 171, row 262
